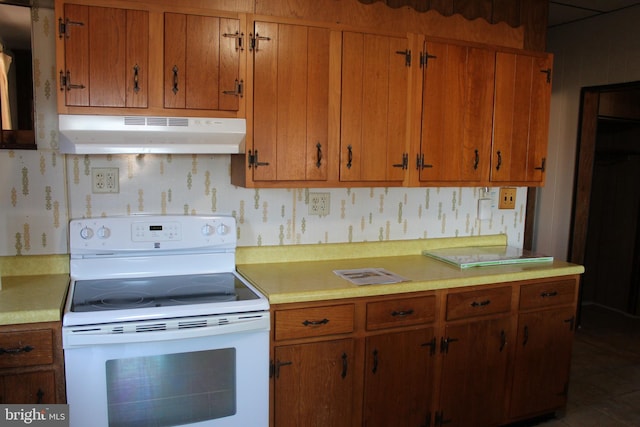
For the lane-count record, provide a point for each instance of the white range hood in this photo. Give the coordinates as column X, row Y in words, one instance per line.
column 89, row 134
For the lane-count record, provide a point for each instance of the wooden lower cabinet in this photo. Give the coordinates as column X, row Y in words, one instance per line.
column 474, row 373
column 314, row 384
column 397, row 378
column 31, row 364
column 479, row 356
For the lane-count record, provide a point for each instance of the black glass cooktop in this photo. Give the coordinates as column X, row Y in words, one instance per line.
column 131, row 293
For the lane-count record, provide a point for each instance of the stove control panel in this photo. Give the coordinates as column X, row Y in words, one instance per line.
column 146, row 232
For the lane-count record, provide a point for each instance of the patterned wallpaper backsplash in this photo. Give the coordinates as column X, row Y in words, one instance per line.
column 42, row 190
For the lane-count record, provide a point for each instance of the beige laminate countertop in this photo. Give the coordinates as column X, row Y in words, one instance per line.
column 32, row 299
column 303, row 277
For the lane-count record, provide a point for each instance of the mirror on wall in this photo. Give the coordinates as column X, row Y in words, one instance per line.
column 16, row 76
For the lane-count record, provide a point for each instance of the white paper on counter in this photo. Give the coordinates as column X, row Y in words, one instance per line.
column 370, row 276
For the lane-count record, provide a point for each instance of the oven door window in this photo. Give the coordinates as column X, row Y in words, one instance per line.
column 171, row 389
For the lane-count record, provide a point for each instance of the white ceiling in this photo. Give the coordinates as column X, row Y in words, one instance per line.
column 566, row 11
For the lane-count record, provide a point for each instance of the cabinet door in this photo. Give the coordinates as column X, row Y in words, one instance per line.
column 314, row 384
column 398, row 378
column 457, row 114
column 521, row 118
column 291, row 102
column 542, row 361
column 375, row 78
column 201, row 62
column 474, row 369
column 106, row 57
column 36, row 388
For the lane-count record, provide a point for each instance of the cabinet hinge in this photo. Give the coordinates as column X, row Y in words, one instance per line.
column 253, row 160
column 424, row 59
column 237, row 90
column 239, row 37
column 254, row 41
column 407, row 56
column 405, row 162
column 63, row 26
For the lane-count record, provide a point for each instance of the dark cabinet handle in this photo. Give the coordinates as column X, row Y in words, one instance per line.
column 543, row 166
column 503, row 340
column 405, row 162
column 476, row 160
column 40, row 396
column 432, row 346
column 175, row 79
column 278, row 365
column 17, row 350
column 525, row 340
column 237, row 89
column 548, row 73
column 136, row 86
column 315, row 322
column 549, row 294
column 375, row 361
column 481, row 303
column 349, row 156
column 319, row 154
column 344, row 365
column 444, row 344
column 402, row 313
column 499, row 164
column 571, row 322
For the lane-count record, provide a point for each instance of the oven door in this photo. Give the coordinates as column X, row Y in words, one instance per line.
column 215, row 380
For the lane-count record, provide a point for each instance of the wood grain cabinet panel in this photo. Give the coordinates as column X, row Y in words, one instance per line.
column 375, row 82
column 483, row 302
column 521, row 118
column 106, row 53
column 201, row 64
column 32, row 364
column 399, row 369
column 313, row 322
column 547, row 294
column 313, row 384
column 400, row 312
column 457, row 113
column 291, row 73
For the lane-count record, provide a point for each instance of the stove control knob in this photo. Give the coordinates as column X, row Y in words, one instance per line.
column 103, row 232
column 207, row 230
column 222, row 229
column 86, row 233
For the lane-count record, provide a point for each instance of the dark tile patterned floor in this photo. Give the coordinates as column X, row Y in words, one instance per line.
column 605, row 372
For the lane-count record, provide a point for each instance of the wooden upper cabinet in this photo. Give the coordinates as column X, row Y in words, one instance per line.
column 201, row 62
column 375, row 81
column 521, row 118
column 291, row 71
column 106, row 56
column 457, row 109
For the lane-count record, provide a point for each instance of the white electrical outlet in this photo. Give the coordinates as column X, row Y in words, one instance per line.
column 105, row 180
column 319, row 204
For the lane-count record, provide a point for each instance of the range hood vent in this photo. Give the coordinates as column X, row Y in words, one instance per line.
column 88, row 134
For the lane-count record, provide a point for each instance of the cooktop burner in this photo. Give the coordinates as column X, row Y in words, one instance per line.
column 128, row 293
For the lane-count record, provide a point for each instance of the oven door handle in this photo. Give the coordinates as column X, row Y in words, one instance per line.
column 81, row 336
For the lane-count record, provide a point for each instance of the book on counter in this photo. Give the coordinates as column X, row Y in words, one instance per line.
column 479, row 256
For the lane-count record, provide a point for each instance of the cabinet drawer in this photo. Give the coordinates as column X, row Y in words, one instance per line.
column 400, row 312
column 478, row 303
column 26, row 348
column 313, row 322
column 547, row 294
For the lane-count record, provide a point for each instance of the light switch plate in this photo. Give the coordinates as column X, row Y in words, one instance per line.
column 484, row 209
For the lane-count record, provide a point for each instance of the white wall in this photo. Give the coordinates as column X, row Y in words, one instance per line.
column 597, row 51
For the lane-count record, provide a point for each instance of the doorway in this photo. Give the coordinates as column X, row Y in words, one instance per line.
column 605, row 231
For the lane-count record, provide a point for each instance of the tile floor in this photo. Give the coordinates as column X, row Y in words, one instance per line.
column 605, row 372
